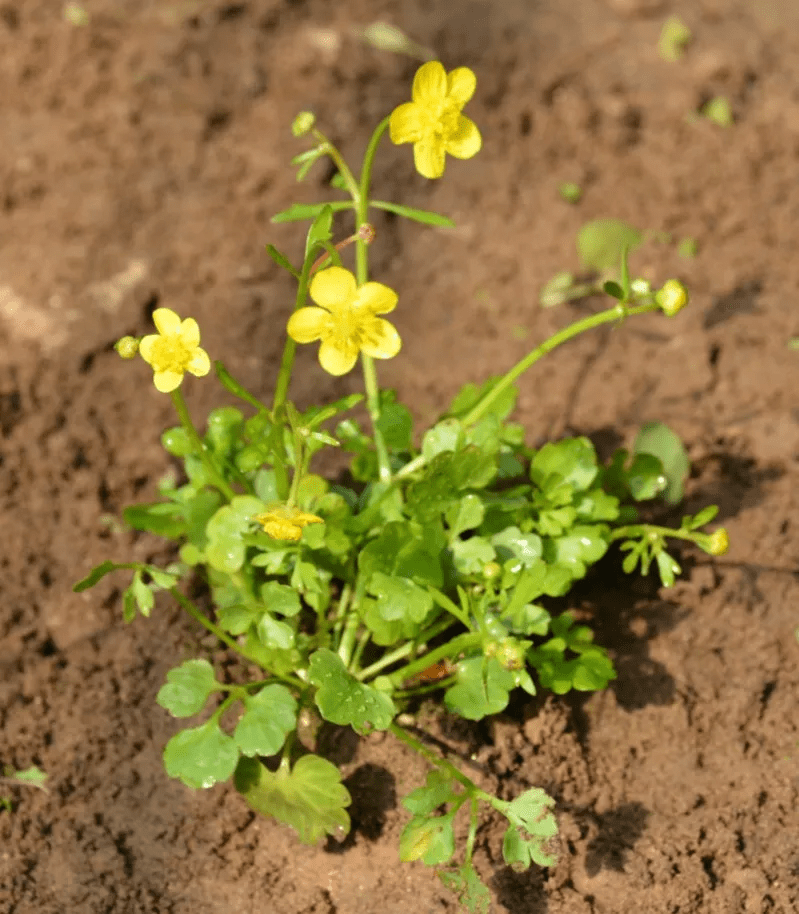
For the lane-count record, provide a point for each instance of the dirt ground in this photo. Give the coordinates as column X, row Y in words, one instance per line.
column 141, row 156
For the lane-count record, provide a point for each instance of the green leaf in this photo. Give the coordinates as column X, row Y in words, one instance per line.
column 33, row 776
column 556, row 291
column 97, row 574
column 226, row 531
column 187, row 688
column 659, row 440
column 274, row 633
column 705, row 516
column 645, row 478
column 431, row 839
column 269, row 716
column 471, row 556
column 467, row 514
column 301, row 211
column 399, row 598
column 571, row 461
column 601, row 243
column 583, row 546
column 531, row 826
column 281, row 260
column 466, row 884
column 417, row 215
column 481, row 688
column 447, row 435
column 512, row 543
column 667, row 567
column 400, row 550
column 280, row 598
column 310, row 797
column 395, row 425
column 320, row 230
column 341, row 699
column 142, row 594
column 438, row 789
column 201, row 756
column 161, row 518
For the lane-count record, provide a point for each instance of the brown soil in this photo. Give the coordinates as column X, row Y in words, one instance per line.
column 141, row 157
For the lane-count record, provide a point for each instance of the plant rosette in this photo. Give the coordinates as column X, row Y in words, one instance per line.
column 431, row 568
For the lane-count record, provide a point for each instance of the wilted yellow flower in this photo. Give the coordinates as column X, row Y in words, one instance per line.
column 174, row 350
column 284, row 523
column 672, row 297
column 433, row 121
column 346, row 320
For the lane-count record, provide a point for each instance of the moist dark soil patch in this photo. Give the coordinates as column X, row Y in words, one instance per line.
column 142, row 155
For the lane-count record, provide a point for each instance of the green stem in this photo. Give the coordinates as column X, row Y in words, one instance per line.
column 206, row 623
column 646, row 529
column 456, row 774
column 362, row 274
column 402, row 652
column 450, row 649
column 617, row 312
column 200, row 449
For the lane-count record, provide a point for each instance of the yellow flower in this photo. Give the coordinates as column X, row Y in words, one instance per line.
column 174, row 350
column 283, row 523
column 346, row 320
column 433, row 121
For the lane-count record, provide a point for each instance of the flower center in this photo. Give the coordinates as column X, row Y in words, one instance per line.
column 170, row 354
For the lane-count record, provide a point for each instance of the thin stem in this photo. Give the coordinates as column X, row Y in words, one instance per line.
column 450, row 649
column 402, row 652
column 362, row 273
column 647, row 529
column 200, row 449
column 455, row 773
column 617, row 312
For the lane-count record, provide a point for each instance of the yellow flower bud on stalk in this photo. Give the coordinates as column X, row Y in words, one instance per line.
column 719, row 542
column 127, row 347
column 672, row 297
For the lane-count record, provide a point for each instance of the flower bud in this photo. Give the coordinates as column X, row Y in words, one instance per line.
column 127, row 347
column 719, row 542
column 302, row 123
column 640, row 287
column 672, row 297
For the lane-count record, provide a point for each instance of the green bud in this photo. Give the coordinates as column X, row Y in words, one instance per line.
column 127, row 347
column 672, row 297
column 302, row 123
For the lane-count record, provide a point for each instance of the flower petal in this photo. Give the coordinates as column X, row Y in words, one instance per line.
column 430, row 84
column 466, row 141
column 308, row 324
column 406, row 124
column 167, row 381
column 146, row 347
column 375, row 298
column 337, row 359
column 428, row 157
column 189, row 333
column 166, row 321
column 199, row 363
column 461, row 84
column 332, row 288
column 383, row 340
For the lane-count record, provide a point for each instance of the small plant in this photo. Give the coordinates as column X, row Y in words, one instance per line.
column 427, row 568
column 30, row 777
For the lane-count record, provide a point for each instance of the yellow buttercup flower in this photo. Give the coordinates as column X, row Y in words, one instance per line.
column 283, row 523
column 719, row 542
column 174, row 350
column 433, row 121
column 346, row 320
